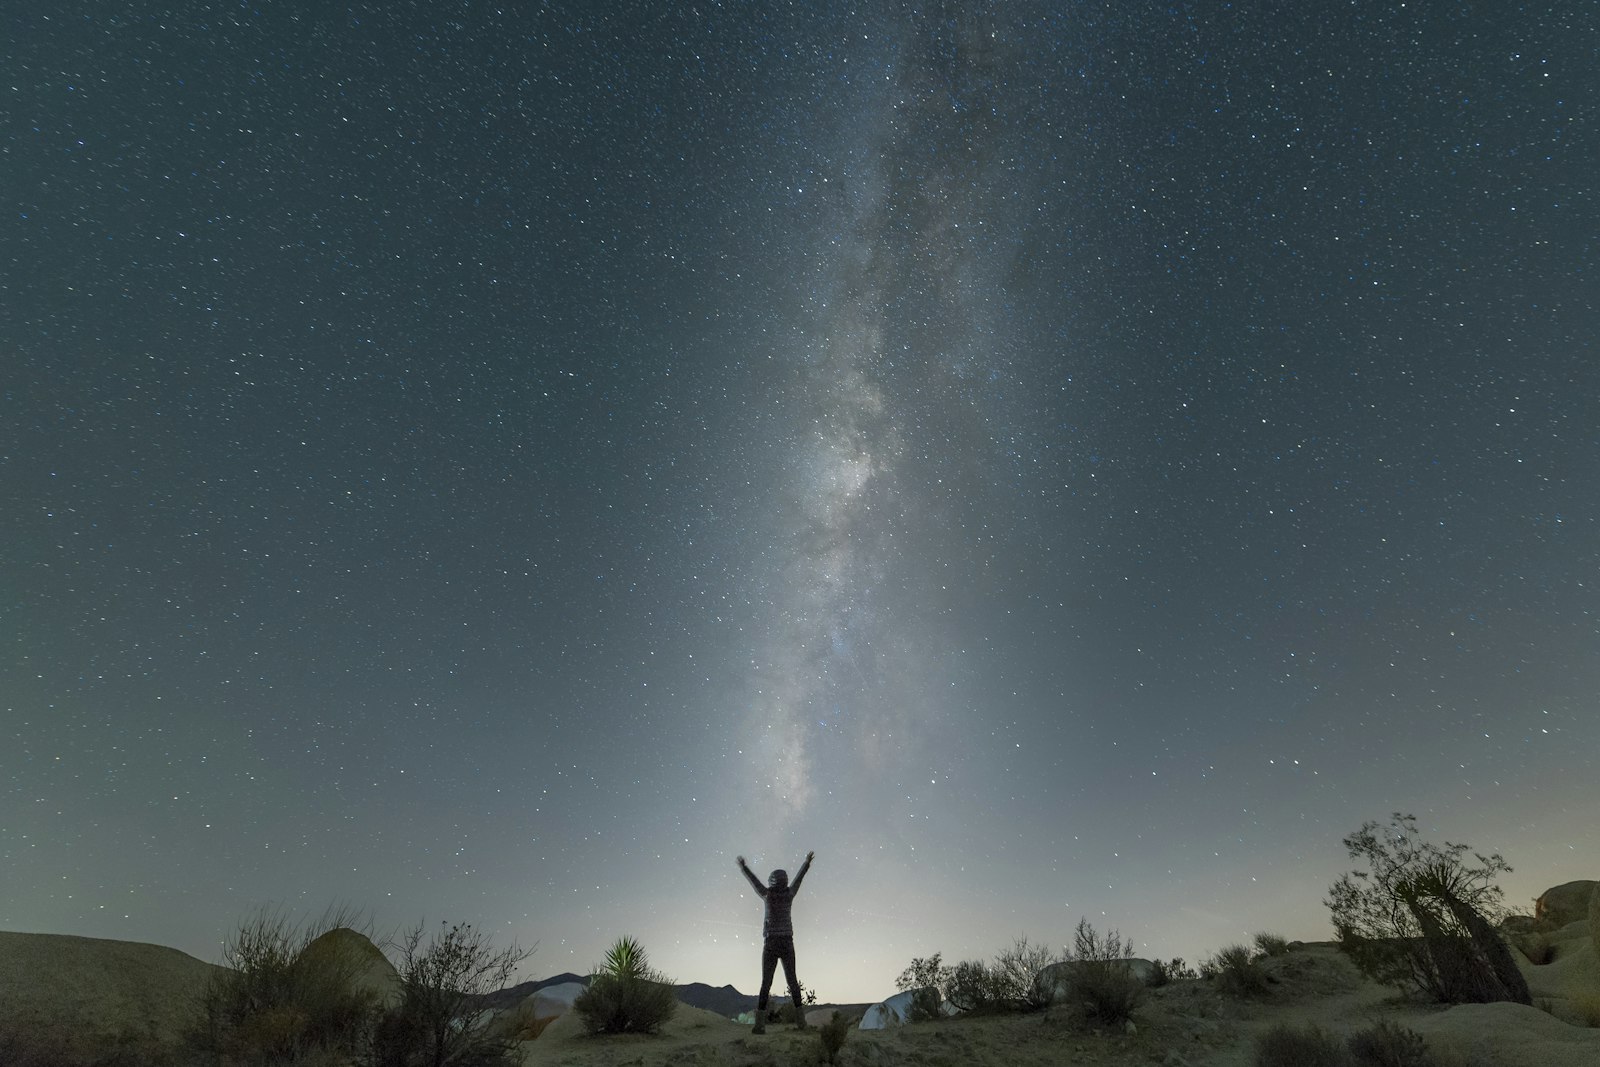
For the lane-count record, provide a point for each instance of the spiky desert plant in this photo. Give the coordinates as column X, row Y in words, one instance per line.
column 626, row 959
column 1388, row 1044
column 626, row 996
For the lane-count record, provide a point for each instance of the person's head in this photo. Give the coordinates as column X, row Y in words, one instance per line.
column 778, row 879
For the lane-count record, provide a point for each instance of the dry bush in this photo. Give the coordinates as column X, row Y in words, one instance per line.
column 1101, row 984
column 1388, row 1044
column 970, row 988
column 1271, row 944
column 1173, row 970
column 1237, row 974
column 1014, row 976
column 924, row 979
column 832, row 1035
column 444, row 984
column 1419, row 917
column 280, row 1004
column 1286, row 1046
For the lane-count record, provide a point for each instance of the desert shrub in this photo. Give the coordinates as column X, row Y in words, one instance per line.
column 924, row 978
column 1014, row 976
column 1419, row 917
column 832, row 1034
column 1237, row 973
column 1287, row 1046
column 970, row 988
column 444, row 985
column 277, row 1002
column 1173, row 970
column 1101, row 984
column 1388, row 1044
column 1587, row 1007
column 1208, row 969
column 1271, row 944
column 626, row 996
column 786, row 1012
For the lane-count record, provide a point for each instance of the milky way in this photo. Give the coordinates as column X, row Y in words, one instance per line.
column 501, row 464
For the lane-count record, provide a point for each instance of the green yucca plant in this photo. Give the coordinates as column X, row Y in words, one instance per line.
column 626, row 959
column 625, row 995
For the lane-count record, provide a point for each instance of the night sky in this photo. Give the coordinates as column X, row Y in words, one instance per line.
column 500, row 463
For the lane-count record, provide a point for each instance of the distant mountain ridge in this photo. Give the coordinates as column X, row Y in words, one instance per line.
column 724, row 1000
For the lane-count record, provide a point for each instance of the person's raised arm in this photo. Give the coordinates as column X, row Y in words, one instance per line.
column 760, row 889
column 801, row 876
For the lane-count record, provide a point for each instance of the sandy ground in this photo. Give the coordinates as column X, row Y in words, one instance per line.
column 1185, row 1024
column 106, row 994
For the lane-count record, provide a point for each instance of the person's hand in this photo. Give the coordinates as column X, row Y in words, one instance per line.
column 741, row 862
column 810, row 856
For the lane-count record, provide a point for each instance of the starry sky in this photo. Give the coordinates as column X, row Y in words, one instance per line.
column 501, row 462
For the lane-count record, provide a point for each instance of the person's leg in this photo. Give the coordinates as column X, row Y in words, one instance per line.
column 769, row 963
column 794, row 985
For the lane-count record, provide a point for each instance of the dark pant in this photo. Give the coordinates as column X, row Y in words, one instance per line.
column 775, row 949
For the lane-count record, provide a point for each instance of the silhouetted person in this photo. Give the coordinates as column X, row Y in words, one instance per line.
column 777, row 934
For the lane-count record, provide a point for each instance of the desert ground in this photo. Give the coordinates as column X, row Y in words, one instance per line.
column 1183, row 1023
column 123, row 1003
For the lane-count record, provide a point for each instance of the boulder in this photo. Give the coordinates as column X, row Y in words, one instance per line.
column 86, row 998
column 1565, row 903
column 346, row 951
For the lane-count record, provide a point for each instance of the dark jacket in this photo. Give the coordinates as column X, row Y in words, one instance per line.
column 777, row 926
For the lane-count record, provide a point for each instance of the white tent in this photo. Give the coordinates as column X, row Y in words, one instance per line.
column 889, row 1013
column 896, row 1011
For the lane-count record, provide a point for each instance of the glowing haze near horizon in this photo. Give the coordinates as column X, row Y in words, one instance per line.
column 1055, row 461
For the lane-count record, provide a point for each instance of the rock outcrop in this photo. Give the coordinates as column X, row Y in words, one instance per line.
column 1565, row 903
column 347, row 952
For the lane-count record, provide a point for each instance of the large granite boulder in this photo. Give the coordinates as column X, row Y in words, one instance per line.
column 87, row 998
column 1565, row 903
column 346, row 952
